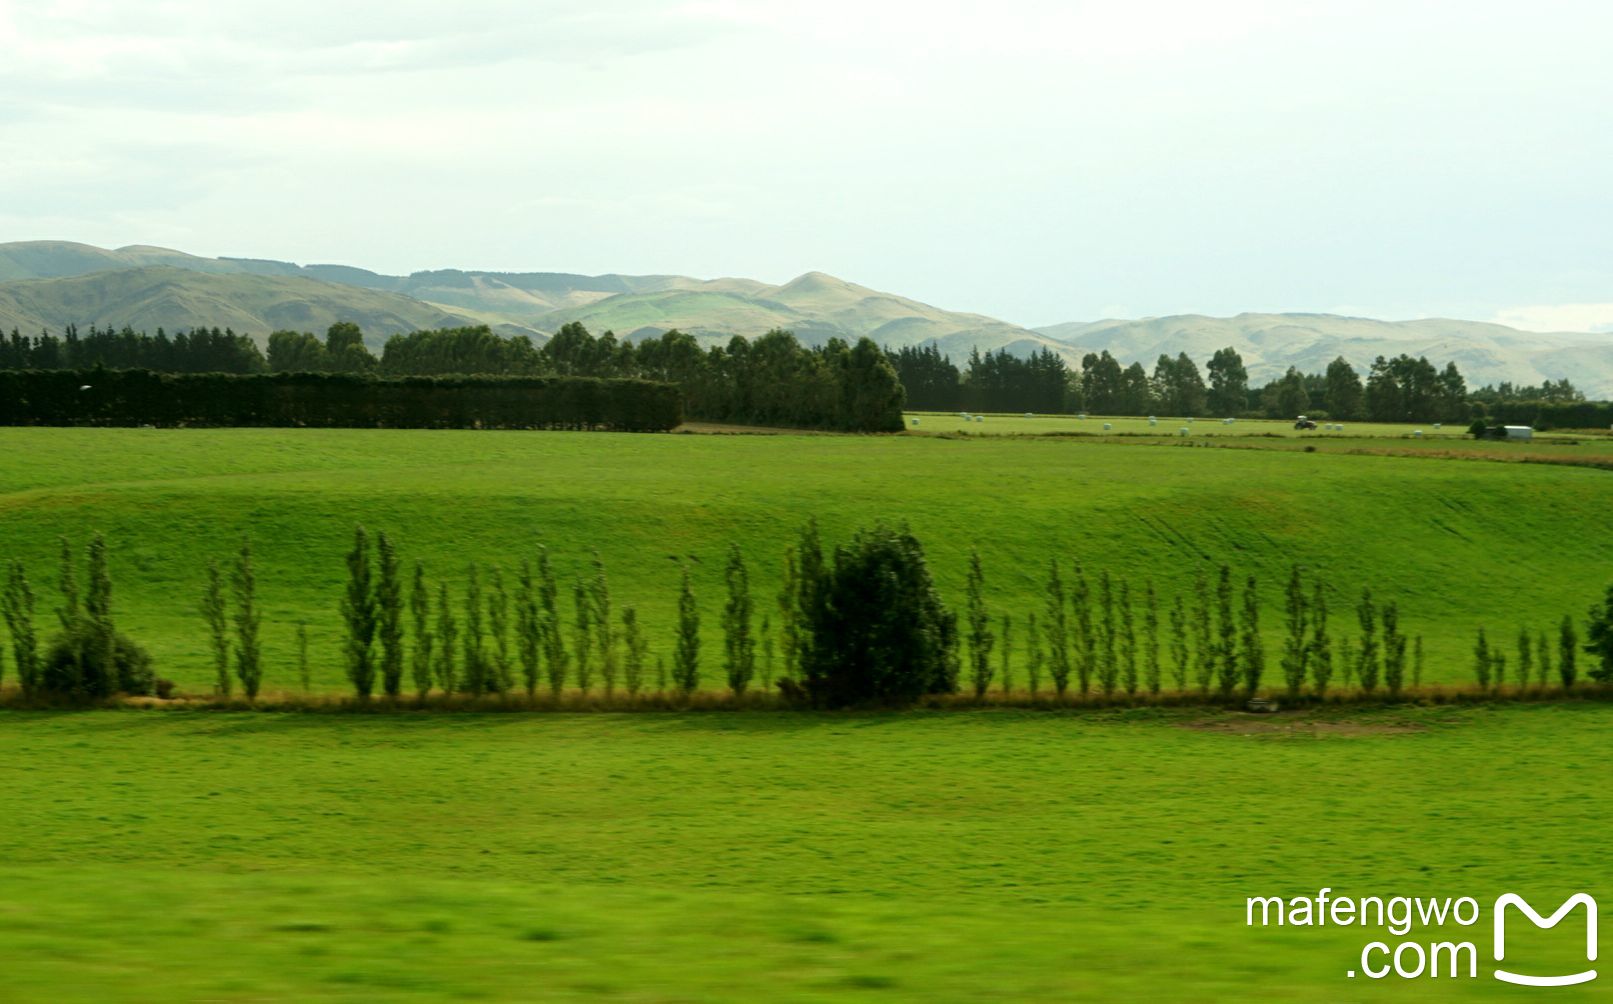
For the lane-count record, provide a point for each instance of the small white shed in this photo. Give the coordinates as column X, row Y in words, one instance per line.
column 1519, row 432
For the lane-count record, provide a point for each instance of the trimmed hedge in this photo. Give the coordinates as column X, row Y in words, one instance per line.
column 1552, row 414
column 334, row 400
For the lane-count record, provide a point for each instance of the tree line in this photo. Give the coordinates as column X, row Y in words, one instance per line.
column 862, row 624
column 325, row 400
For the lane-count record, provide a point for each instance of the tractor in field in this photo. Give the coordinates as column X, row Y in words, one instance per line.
column 1305, row 425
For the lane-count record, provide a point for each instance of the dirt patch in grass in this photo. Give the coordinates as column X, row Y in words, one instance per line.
column 1302, row 725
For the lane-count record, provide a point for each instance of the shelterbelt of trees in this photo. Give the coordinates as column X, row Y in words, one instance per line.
column 1401, row 389
column 774, row 380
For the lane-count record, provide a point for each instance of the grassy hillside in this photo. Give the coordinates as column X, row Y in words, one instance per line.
column 1270, row 343
column 1457, row 543
column 177, row 298
column 964, row 857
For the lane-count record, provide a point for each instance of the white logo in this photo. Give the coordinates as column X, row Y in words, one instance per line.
column 1513, row 899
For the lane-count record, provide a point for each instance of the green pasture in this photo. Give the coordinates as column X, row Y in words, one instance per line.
column 693, row 857
column 1456, row 543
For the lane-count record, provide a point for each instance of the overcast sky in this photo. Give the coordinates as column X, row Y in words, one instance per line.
column 1039, row 162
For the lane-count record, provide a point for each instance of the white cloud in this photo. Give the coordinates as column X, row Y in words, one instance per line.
column 1586, row 317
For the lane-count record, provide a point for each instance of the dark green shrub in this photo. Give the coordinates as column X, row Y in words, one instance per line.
column 76, row 665
column 879, row 631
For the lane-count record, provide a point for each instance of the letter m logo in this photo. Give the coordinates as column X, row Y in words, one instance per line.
column 1514, row 900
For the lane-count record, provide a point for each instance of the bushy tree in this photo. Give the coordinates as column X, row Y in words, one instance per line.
column 880, row 633
column 359, row 616
column 739, row 647
column 248, row 649
column 979, row 621
column 1599, row 638
column 389, row 614
column 1229, row 383
column 215, row 611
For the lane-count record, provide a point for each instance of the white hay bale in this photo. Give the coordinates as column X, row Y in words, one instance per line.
column 1107, row 426
column 915, row 421
column 1182, row 431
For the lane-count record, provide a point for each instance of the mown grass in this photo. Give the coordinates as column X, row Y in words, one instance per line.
column 1457, row 544
column 999, row 855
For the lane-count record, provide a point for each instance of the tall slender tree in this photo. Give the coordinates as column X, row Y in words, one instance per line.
column 1181, row 651
column 389, row 614
column 582, row 634
column 98, row 613
column 1526, row 657
column 17, row 607
column 604, row 627
column 359, row 616
column 1542, row 658
column 769, row 652
column 979, row 621
column 1367, row 663
column 528, row 628
column 443, row 665
column 1251, row 651
column 420, row 614
column 500, row 674
column 1085, row 638
column 1005, row 632
column 1394, row 649
column 1128, row 641
column 790, row 614
column 1057, row 630
column 1567, row 652
column 686, row 652
column 1320, row 654
column 554, row 642
column 1204, row 647
column 1151, row 671
column 638, row 647
column 1296, row 643
column 1108, row 632
column 739, row 646
column 1226, row 649
column 1035, row 656
column 1483, row 664
column 248, row 649
column 473, row 658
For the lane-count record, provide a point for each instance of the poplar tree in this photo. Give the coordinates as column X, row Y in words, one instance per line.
column 638, row 648
column 811, row 571
column 1482, row 664
column 215, row 611
column 1204, row 651
column 69, row 615
column 1321, row 647
column 1181, row 652
column 1226, row 649
column 1567, row 652
column 789, row 614
column 358, row 615
column 1108, row 666
column 582, row 635
column 420, row 612
column 1085, row 639
column 739, row 647
column 1005, row 653
column 248, row 650
column 17, row 606
column 447, row 634
column 1151, row 674
column 1394, row 649
column 528, row 628
column 98, row 615
column 1296, row 645
column 1252, row 652
column 499, row 675
column 302, row 657
column 1034, row 655
column 1526, row 656
column 554, row 643
column 1056, row 628
column 1542, row 657
column 474, row 660
column 604, row 628
column 768, row 652
column 1128, row 640
column 1368, row 666
column 979, row 620
column 686, row 651
column 389, row 615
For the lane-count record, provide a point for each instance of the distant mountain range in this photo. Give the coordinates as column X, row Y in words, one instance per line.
column 49, row 284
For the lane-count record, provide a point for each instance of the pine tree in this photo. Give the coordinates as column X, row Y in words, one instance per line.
column 1226, row 649
column 447, row 634
column 739, row 647
column 358, row 615
column 1296, row 645
column 17, row 606
column 582, row 635
column 420, row 611
column 1320, row 652
column 500, row 675
column 604, row 629
column 554, row 643
column 979, row 620
column 528, row 628
column 638, row 648
column 1151, row 674
column 248, row 650
column 1085, row 639
column 1056, row 628
column 686, row 652
column 1482, row 663
column 473, row 659
column 1368, row 666
column 389, row 615
column 215, row 611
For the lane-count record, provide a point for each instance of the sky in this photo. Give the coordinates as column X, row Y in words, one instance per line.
column 1037, row 162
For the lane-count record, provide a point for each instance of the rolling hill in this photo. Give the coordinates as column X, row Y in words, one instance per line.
column 48, row 284
column 1270, row 343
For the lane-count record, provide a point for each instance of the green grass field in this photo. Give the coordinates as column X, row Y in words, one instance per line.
column 1456, row 543
column 685, row 857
